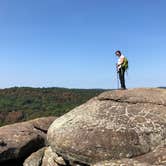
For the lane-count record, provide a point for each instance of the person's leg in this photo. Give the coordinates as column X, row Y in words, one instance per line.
column 123, row 78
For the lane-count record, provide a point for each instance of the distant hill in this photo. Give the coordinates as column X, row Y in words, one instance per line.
column 163, row 87
column 19, row 104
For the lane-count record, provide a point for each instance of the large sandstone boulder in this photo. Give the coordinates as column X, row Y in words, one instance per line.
column 21, row 139
column 115, row 125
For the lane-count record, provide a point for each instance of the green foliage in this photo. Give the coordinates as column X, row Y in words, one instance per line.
column 38, row 102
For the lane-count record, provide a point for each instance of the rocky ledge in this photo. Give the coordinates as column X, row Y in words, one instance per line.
column 117, row 127
column 113, row 129
column 19, row 140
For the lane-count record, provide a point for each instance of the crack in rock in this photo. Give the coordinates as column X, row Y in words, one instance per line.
column 130, row 102
column 40, row 129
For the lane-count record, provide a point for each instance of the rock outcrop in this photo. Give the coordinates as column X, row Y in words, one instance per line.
column 44, row 157
column 35, row 159
column 51, row 158
column 119, row 126
column 154, row 158
column 19, row 140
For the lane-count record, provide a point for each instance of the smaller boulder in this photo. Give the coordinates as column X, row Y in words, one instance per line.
column 51, row 158
column 35, row 159
column 19, row 140
column 45, row 157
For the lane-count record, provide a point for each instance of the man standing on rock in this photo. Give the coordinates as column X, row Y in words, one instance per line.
column 122, row 65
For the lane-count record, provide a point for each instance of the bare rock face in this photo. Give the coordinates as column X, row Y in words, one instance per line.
column 115, row 125
column 21, row 139
column 51, row 158
column 35, row 159
column 156, row 157
column 44, row 157
column 122, row 162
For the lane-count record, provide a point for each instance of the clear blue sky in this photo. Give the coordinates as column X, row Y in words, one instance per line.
column 71, row 43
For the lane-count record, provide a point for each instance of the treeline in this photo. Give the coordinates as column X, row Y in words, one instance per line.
column 18, row 104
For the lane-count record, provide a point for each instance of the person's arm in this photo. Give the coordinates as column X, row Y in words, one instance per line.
column 121, row 61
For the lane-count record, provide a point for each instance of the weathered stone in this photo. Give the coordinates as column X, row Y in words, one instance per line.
column 21, row 139
column 49, row 158
column 35, row 159
column 157, row 157
column 115, row 125
column 44, row 157
column 154, row 96
column 60, row 160
column 123, row 162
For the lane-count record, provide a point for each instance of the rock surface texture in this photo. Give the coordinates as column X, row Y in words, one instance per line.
column 35, row 159
column 44, row 157
column 21, row 139
column 119, row 127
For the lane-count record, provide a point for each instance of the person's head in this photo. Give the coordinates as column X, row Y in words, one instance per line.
column 118, row 53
